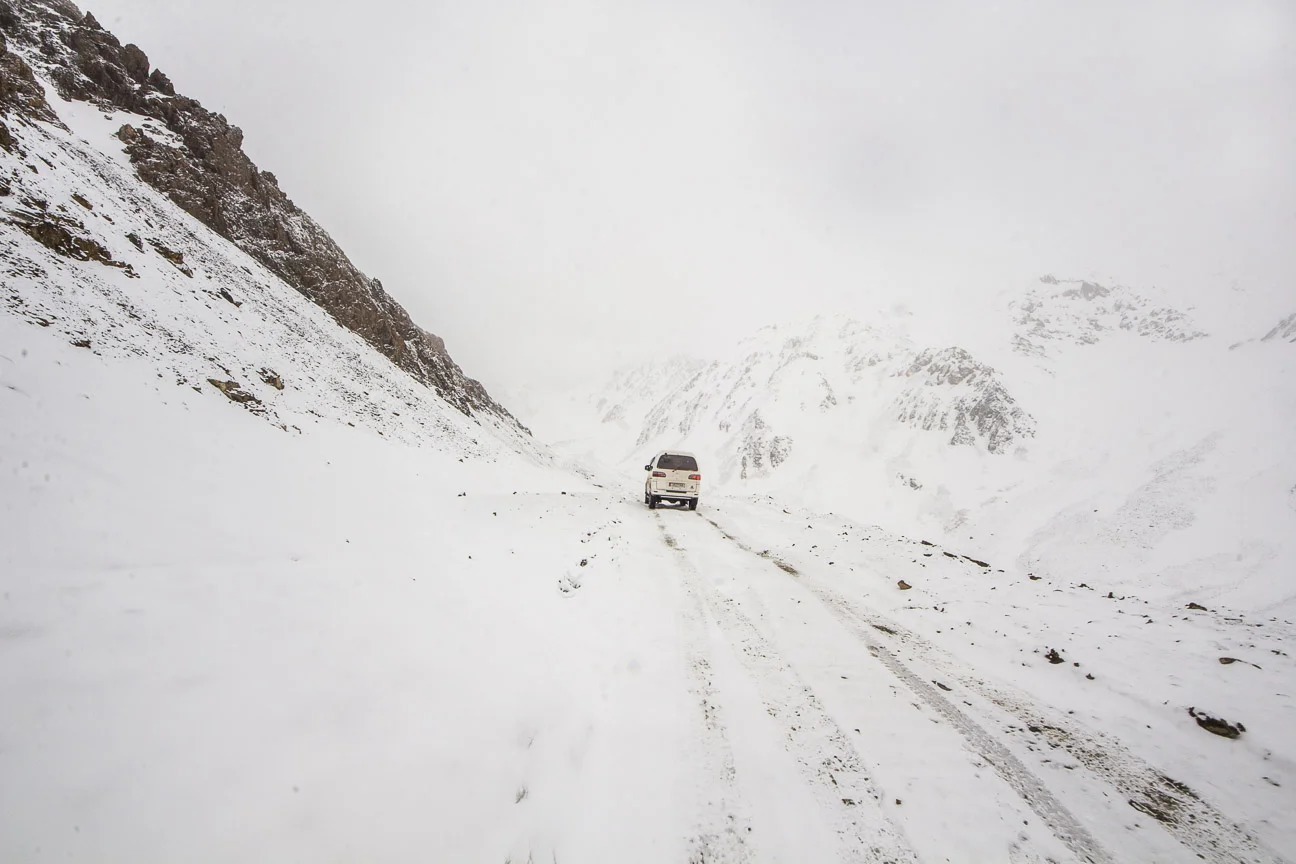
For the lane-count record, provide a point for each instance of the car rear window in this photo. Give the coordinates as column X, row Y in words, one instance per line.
column 677, row 463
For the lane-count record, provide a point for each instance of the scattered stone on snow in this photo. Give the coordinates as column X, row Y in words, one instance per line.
column 1225, row 661
column 235, row 393
column 176, row 258
column 271, row 377
column 1217, row 725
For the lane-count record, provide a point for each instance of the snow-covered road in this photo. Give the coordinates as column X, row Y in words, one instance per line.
column 907, row 752
column 220, row 641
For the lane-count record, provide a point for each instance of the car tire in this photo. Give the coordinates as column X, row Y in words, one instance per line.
column 652, row 502
column 693, row 503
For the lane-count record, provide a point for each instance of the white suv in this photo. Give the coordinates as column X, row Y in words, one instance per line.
column 672, row 476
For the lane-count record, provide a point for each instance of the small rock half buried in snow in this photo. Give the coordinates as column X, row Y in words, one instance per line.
column 1217, row 725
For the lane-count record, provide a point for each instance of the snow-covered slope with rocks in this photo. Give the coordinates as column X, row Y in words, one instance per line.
column 193, row 157
column 781, row 388
column 108, row 263
column 1081, row 312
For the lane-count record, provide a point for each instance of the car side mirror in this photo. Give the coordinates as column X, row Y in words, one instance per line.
column 647, row 467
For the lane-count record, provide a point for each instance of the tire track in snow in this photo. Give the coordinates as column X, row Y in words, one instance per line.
column 722, row 836
column 1191, row 821
column 1194, row 823
column 839, row 780
column 1021, row 779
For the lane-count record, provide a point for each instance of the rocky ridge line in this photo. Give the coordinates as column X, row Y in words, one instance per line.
column 204, row 170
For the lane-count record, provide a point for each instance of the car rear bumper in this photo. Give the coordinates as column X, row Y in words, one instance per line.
column 666, row 492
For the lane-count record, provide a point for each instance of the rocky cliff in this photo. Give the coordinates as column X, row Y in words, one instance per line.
column 195, row 158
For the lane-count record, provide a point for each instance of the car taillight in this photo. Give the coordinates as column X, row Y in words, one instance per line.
column 695, row 476
column 659, row 473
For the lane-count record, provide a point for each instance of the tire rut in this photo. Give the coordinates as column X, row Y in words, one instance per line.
column 835, row 772
column 1194, row 823
column 721, row 838
column 1010, row 769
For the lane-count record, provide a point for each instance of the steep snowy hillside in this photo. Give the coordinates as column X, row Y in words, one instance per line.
column 108, row 264
column 128, row 124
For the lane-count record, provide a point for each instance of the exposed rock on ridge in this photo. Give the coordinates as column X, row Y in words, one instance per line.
column 831, row 379
column 1283, row 331
column 1082, row 312
column 204, row 170
column 965, row 397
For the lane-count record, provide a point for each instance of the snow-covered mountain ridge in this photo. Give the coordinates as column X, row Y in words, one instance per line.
column 1120, row 440
column 122, row 123
column 1082, row 312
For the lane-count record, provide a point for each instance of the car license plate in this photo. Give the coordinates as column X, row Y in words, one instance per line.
column 677, row 485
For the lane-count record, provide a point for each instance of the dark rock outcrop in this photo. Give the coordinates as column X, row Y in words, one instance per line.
column 63, row 235
column 209, row 176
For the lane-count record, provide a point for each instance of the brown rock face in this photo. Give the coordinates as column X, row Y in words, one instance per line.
column 19, row 91
column 211, row 178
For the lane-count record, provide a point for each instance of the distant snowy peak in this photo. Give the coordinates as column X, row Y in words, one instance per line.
column 951, row 391
column 1079, row 312
column 1283, row 331
column 789, row 391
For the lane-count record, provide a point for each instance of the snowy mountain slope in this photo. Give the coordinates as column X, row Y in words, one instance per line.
column 195, row 158
column 1081, row 312
column 368, row 649
column 588, row 428
column 755, row 408
column 1130, row 442
column 92, row 254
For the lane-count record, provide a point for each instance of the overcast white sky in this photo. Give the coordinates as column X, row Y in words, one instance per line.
column 551, row 186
